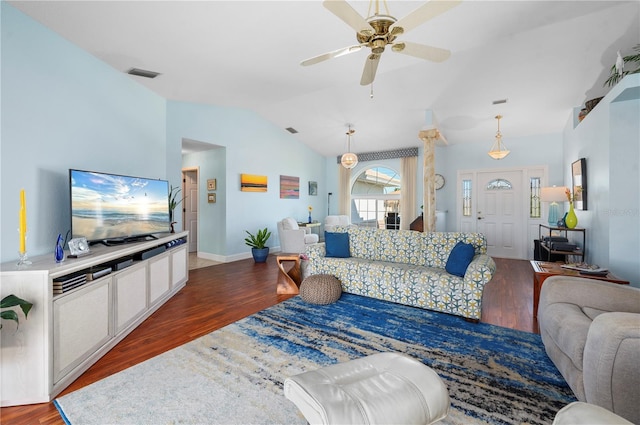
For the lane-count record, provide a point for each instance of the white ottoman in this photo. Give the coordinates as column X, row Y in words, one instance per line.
column 384, row 388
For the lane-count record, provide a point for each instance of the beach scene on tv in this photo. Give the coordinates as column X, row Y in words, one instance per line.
column 105, row 206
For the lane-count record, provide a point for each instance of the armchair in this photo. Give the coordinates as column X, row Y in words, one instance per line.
column 591, row 331
column 293, row 238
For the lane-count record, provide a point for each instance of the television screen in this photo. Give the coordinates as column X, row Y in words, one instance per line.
column 114, row 208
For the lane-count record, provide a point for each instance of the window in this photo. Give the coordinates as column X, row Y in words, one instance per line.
column 466, row 197
column 534, row 197
column 375, row 197
column 499, row 184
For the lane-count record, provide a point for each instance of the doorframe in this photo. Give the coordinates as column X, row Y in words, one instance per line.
column 529, row 231
column 184, row 170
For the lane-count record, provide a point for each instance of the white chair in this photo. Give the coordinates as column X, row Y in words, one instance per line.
column 293, row 238
column 331, row 221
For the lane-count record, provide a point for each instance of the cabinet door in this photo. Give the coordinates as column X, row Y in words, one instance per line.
column 130, row 287
column 81, row 325
column 179, row 266
column 158, row 277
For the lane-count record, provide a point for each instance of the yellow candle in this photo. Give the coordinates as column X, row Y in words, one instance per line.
column 23, row 222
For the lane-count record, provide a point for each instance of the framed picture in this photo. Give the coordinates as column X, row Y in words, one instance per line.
column 289, row 187
column 211, row 197
column 313, row 188
column 211, row 184
column 579, row 184
column 253, row 183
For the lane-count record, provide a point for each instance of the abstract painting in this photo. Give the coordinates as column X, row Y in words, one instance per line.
column 289, row 187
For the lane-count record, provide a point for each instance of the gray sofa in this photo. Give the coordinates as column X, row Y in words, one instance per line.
column 591, row 332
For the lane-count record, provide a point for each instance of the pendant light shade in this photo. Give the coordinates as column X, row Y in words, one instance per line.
column 349, row 159
column 498, row 151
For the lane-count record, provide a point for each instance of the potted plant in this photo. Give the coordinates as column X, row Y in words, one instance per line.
column 257, row 243
column 617, row 69
column 173, row 203
column 12, row 301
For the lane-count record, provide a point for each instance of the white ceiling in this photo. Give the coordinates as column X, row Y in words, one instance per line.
column 545, row 57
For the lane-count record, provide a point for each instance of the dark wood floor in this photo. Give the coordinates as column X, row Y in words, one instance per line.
column 219, row 295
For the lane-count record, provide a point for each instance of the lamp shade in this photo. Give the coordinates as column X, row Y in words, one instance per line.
column 553, row 194
column 349, row 160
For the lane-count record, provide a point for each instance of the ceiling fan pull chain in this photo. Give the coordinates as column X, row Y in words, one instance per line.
column 371, row 92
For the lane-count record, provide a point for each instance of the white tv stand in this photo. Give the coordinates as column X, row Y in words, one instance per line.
column 67, row 333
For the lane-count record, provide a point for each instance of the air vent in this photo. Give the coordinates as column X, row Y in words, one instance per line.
column 499, row 101
column 142, row 73
column 291, row 130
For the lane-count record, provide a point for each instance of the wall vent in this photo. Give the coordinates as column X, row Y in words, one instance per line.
column 291, row 130
column 499, row 101
column 142, row 73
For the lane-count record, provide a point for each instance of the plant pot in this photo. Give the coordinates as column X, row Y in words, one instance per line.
column 260, row 254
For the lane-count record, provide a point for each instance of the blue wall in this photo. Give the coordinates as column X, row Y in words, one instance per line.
column 63, row 108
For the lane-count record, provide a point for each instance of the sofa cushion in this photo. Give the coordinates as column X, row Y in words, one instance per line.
column 337, row 244
column 460, row 258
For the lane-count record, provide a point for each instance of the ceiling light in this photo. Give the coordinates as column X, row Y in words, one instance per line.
column 349, row 159
column 497, row 150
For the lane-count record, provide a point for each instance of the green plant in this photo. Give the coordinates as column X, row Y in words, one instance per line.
column 173, row 199
column 258, row 240
column 12, row 301
column 617, row 70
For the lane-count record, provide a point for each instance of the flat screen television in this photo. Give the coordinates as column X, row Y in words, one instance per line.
column 111, row 208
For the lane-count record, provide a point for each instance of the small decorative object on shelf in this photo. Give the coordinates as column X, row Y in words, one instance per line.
column 22, row 229
column 310, row 209
column 58, row 252
column 571, row 219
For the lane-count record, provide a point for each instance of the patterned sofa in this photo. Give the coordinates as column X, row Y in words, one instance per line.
column 408, row 267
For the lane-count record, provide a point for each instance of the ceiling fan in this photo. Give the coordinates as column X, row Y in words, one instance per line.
column 379, row 31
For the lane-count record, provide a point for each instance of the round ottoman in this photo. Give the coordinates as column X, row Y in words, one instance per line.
column 321, row 289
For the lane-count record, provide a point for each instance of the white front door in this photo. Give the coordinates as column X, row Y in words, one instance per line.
column 190, row 206
column 499, row 212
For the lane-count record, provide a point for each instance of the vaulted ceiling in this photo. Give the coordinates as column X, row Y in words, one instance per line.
column 544, row 57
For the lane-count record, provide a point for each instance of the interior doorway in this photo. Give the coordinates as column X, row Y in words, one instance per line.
column 190, row 206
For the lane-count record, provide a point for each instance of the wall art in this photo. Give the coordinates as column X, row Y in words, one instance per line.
column 289, row 187
column 253, row 183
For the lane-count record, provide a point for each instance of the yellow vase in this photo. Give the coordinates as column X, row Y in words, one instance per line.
column 571, row 221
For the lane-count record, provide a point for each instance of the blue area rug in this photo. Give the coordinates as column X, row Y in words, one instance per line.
column 235, row 375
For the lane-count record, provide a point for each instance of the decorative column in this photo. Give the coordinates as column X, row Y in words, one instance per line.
column 429, row 138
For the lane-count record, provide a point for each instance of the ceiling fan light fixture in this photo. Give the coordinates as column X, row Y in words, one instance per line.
column 498, row 150
column 349, row 159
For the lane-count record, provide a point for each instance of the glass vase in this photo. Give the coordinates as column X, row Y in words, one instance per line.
column 571, row 221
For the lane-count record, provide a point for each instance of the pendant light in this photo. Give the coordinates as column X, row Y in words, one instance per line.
column 497, row 150
column 349, row 159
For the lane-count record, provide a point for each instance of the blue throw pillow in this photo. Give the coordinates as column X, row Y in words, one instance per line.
column 337, row 245
column 460, row 258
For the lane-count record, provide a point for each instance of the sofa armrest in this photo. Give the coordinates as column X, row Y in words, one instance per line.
column 590, row 294
column 611, row 355
column 315, row 251
column 479, row 272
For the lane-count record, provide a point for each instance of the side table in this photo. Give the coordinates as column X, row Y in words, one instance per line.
column 542, row 270
column 289, row 281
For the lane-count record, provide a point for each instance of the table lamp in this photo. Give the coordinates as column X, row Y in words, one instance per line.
column 553, row 195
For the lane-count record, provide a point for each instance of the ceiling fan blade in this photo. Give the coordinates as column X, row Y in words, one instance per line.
column 370, row 68
column 424, row 13
column 334, row 54
column 348, row 15
column 430, row 53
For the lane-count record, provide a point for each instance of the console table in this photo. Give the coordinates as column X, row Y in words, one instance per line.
column 542, row 270
column 68, row 332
